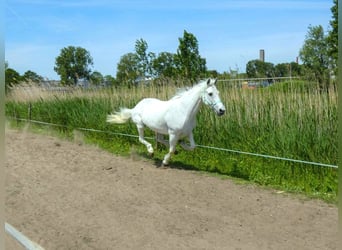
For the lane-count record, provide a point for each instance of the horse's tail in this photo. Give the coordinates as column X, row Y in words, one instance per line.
column 120, row 117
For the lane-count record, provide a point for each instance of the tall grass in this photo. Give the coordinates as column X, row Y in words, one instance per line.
column 293, row 120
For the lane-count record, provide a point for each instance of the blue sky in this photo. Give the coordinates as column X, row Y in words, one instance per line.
column 229, row 33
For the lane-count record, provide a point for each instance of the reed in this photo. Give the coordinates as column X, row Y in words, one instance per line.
column 291, row 119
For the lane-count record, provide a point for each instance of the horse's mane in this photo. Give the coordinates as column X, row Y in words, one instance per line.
column 181, row 91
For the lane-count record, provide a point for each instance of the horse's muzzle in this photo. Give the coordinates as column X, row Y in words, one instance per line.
column 221, row 112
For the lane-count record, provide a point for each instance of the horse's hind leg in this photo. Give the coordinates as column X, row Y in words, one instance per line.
column 143, row 141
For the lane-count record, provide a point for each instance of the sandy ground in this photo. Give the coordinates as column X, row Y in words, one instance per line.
column 66, row 195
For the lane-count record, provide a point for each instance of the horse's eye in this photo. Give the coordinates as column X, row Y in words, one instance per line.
column 210, row 94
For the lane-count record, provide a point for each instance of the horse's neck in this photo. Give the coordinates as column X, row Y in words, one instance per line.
column 191, row 100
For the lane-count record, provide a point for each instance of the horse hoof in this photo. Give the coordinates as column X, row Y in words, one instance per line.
column 176, row 152
column 151, row 154
column 164, row 166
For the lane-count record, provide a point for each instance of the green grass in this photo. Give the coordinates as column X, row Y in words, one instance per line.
column 291, row 119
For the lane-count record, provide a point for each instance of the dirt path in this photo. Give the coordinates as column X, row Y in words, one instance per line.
column 64, row 195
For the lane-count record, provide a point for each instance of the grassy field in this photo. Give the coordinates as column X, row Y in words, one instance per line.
column 290, row 119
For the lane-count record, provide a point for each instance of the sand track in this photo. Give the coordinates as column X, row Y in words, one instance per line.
column 64, row 195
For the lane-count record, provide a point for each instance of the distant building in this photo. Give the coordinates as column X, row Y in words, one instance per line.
column 50, row 83
column 82, row 82
column 146, row 80
column 262, row 55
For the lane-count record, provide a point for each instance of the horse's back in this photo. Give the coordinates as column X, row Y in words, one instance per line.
column 151, row 112
column 151, row 105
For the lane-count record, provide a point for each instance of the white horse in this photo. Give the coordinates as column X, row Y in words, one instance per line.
column 175, row 117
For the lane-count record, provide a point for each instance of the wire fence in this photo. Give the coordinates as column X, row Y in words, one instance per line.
column 269, row 79
column 255, row 82
column 197, row 145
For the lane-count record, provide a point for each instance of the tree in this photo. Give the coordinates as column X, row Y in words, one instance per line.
column 282, row 70
column 144, row 59
column 164, row 65
column 296, row 69
column 12, row 77
column 72, row 64
column 332, row 38
column 257, row 68
column 314, row 54
column 127, row 68
column 109, row 80
column 32, row 76
column 188, row 60
column 212, row 73
column 96, row 78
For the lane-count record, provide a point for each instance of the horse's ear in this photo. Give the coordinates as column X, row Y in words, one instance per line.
column 215, row 81
column 208, row 82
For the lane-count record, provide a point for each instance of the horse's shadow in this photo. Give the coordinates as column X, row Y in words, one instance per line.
column 174, row 165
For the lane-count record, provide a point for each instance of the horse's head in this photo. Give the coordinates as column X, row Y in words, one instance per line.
column 211, row 97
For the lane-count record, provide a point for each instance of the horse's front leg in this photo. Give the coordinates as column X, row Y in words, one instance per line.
column 192, row 143
column 173, row 139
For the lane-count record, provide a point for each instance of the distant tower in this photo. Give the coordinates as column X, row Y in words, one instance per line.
column 262, row 55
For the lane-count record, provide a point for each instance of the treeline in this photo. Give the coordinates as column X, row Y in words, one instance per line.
column 143, row 64
column 12, row 77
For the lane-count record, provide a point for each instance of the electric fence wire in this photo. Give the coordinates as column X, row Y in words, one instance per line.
column 200, row 146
